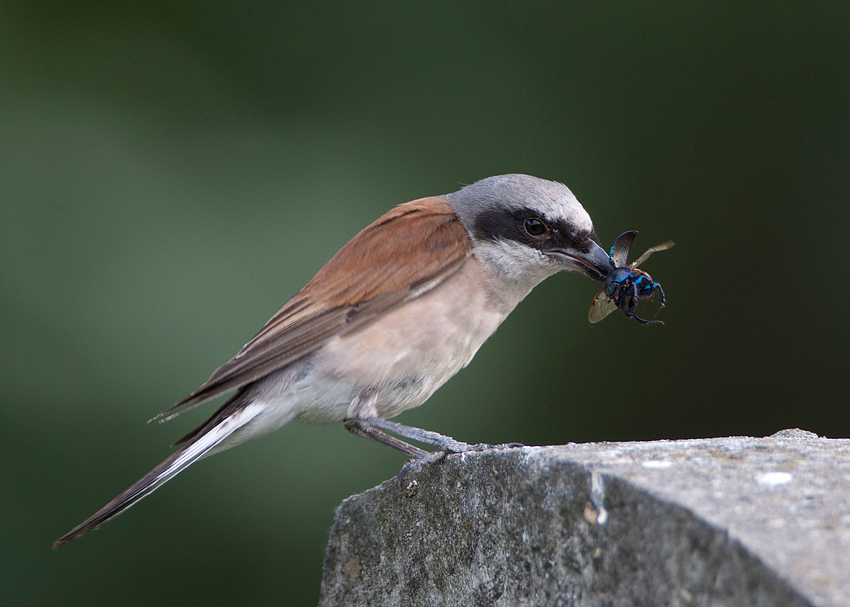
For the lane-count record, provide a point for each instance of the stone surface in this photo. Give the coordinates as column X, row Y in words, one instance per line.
column 728, row 521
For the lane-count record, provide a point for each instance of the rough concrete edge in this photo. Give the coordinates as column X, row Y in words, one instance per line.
column 764, row 587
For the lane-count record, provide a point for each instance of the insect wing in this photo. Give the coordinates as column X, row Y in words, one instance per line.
column 659, row 247
column 621, row 246
column 600, row 307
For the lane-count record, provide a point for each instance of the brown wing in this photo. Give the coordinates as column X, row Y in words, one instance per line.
column 405, row 253
column 600, row 307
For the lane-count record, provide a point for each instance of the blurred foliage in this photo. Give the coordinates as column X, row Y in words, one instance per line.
column 170, row 173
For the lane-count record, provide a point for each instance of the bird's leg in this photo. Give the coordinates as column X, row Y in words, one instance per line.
column 445, row 444
column 442, row 442
column 363, row 421
column 376, row 428
column 363, row 408
column 355, row 426
column 419, row 458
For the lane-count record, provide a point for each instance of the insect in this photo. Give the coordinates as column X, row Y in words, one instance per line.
column 625, row 285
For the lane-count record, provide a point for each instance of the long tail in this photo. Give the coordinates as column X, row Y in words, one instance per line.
column 199, row 446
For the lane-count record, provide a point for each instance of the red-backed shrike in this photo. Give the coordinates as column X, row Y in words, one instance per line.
column 389, row 319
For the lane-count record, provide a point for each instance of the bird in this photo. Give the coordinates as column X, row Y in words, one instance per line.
column 393, row 315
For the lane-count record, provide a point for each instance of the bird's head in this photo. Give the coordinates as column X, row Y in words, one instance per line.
column 527, row 229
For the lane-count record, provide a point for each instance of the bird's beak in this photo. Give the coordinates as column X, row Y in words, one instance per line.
column 595, row 263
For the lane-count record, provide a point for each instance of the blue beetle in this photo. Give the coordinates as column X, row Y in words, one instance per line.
column 625, row 285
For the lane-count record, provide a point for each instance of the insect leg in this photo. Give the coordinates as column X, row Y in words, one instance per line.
column 661, row 299
column 633, row 299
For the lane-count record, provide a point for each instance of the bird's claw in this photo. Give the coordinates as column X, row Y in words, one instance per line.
column 487, row 447
column 509, row 446
column 417, row 464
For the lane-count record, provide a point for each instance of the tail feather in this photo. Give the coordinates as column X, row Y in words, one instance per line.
column 174, row 464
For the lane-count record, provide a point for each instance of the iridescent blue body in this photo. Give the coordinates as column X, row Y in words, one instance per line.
column 625, row 284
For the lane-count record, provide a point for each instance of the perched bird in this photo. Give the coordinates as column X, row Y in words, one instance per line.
column 400, row 309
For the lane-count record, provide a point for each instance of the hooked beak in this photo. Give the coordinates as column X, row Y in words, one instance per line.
column 595, row 264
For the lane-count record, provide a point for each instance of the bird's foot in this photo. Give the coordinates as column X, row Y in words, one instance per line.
column 488, row 447
column 416, row 465
column 449, row 447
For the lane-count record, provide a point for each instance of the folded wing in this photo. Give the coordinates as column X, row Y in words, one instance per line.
column 403, row 254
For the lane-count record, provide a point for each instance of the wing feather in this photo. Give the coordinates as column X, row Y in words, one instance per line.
column 403, row 254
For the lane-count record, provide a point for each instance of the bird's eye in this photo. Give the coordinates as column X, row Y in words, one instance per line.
column 534, row 226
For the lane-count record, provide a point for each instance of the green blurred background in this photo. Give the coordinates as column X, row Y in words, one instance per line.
column 170, row 173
